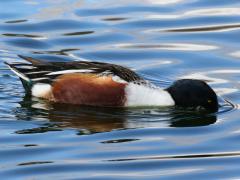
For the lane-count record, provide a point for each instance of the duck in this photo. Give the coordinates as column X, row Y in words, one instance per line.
column 108, row 85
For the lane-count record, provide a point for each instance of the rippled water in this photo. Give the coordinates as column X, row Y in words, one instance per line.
column 162, row 40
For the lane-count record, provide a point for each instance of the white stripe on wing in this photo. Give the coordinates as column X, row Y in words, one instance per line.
column 71, row 71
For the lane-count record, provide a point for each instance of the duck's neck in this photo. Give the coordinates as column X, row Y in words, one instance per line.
column 141, row 95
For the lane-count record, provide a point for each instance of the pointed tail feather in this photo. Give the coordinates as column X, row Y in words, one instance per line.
column 18, row 73
column 24, row 79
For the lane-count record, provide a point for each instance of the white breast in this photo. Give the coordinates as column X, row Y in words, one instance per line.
column 140, row 95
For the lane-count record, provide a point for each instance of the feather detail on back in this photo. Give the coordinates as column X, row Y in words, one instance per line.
column 38, row 71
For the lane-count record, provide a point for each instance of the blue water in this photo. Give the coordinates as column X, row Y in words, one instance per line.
column 163, row 41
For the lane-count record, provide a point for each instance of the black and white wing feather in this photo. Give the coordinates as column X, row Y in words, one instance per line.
column 37, row 71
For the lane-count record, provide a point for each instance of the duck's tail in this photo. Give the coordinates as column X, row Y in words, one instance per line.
column 27, row 83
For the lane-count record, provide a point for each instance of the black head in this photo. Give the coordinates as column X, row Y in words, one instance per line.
column 193, row 93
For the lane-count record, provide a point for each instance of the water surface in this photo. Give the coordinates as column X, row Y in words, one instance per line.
column 161, row 40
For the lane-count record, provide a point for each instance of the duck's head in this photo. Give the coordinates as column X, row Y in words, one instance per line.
column 193, row 93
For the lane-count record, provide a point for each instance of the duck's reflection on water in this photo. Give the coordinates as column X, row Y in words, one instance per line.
column 99, row 119
column 92, row 119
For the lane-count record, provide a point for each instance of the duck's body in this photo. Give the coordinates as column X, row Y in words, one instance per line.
column 95, row 83
column 89, row 83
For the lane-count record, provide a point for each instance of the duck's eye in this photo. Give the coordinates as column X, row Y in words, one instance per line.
column 209, row 101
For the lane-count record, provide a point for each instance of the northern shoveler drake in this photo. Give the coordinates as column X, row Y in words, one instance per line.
column 104, row 84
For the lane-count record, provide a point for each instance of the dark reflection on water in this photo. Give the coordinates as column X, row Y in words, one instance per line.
column 16, row 21
column 33, row 163
column 115, row 19
column 78, row 33
column 213, row 28
column 90, row 120
column 22, row 35
column 161, row 40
